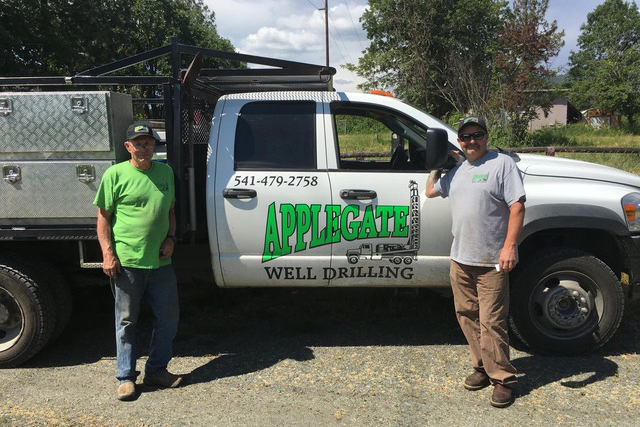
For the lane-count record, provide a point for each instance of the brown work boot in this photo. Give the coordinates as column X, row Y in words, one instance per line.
column 476, row 381
column 163, row 379
column 126, row 390
column 502, row 396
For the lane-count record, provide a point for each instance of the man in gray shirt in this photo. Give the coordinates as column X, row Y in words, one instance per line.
column 487, row 206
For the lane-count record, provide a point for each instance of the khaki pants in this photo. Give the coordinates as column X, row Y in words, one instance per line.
column 481, row 298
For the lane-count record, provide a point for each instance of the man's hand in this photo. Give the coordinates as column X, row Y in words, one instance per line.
column 430, row 191
column 508, row 258
column 455, row 154
column 166, row 250
column 110, row 265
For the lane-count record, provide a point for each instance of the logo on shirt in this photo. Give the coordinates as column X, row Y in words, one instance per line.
column 480, row 177
column 163, row 186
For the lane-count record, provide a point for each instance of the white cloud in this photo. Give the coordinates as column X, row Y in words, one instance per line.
column 282, row 41
column 294, row 30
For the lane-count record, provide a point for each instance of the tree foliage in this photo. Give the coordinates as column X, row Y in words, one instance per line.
column 605, row 71
column 413, row 40
column 62, row 37
column 527, row 45
column 462, row 55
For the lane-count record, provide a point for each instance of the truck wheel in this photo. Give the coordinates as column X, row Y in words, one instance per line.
column 396, row 260
column 27, row 315
column 353, row 259
column 565, row 301
column 47, row 275
column 408, row 260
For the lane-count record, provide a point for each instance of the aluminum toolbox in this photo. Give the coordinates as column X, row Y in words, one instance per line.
column 54, row 148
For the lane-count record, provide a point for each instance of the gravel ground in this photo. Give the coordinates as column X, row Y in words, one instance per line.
column 315, row 358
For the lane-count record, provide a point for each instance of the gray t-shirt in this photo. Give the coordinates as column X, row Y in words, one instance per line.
column 481, row 193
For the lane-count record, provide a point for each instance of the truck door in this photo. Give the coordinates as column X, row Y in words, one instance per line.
column 390, row 233
column 271, row 187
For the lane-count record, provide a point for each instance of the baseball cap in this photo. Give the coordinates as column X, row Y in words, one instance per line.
column 139, row 129
column 472, row 120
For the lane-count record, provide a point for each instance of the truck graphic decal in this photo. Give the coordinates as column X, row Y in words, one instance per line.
column 295, row 228
column 394, row 252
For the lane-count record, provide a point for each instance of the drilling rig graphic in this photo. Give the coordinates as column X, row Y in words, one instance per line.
column 397, row 253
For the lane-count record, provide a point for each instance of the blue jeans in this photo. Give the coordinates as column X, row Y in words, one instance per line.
column 159, row 288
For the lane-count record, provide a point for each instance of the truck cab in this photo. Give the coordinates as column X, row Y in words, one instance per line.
column 287, row 191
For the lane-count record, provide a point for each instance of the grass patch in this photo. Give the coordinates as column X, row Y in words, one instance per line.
column 581, row 135
column 566, row 136
column 629, row 162
column 365, row 142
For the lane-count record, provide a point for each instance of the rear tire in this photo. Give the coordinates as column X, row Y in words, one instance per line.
column 47, row 275
column 27, row 314
column 565, row 301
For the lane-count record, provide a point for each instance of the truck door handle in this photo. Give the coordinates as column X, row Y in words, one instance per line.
column 358, row 194
column 239, row 193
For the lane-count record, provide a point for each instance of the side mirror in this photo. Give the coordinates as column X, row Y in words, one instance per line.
column 437, row 152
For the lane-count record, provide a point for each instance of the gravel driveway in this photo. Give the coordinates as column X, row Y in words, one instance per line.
column 324, row 357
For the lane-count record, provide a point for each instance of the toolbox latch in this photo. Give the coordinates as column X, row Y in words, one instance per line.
column 6, row 106
column 11, row 173
column 79, row 104
column 86, row 173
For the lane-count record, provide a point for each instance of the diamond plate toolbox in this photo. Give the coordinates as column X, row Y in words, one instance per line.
column 56, row 124
column 54, row 148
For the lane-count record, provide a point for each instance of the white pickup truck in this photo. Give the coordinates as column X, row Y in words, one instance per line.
column 290, row 196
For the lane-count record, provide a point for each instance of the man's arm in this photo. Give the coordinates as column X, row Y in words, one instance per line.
column 430, row 191
column 110, row 263
column 166, row 250
column 509, row 250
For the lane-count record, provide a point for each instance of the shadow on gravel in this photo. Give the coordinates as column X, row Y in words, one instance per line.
column 247, row 330
column 573, row 372
column 251, row 329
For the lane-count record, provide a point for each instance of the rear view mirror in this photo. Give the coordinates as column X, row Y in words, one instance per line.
column 437, row 152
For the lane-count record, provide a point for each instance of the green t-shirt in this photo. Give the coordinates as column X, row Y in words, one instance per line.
column 140, row 201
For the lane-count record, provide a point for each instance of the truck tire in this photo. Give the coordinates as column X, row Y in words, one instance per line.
column 27, row 315
column 565, row 301
column 47, row 275
column 353, row 259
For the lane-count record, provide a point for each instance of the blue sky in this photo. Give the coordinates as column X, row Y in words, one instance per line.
column 294, row 29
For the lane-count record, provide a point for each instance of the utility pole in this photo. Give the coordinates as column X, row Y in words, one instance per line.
column 326, row 28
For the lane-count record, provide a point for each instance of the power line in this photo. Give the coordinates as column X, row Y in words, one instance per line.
column 335, row 27
column 314, row 6
column 353, row 24
column 340, row 51
column 333, row 38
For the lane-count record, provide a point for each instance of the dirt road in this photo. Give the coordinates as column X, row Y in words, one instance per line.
column 314, row 358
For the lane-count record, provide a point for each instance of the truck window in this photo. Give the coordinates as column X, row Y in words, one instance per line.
column 276, row 135
column 373, row 138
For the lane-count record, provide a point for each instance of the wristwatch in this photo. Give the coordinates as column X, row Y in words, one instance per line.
column 172, row 237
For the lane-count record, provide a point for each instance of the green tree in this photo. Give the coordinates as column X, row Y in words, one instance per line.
column 62, row 37
column 527, row 45
column 605, row 71
column 424, row 50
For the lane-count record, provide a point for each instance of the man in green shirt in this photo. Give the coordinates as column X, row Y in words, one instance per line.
column 136, row 230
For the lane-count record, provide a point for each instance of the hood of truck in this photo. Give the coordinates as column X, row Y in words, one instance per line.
column 538, row 165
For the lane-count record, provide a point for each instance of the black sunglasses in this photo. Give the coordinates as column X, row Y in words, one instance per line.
column 466, row 137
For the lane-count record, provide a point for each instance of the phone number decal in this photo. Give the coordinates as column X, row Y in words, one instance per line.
column 275, row 181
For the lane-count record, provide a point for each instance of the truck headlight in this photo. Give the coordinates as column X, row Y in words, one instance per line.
column 631, row 207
